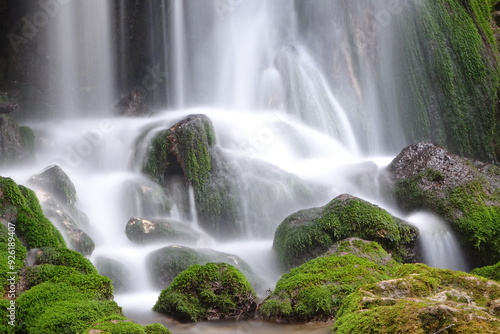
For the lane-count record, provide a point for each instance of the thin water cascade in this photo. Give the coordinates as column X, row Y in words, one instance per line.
column 440, row 247
column 80, row 50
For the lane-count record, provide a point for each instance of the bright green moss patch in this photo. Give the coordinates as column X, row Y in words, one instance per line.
column 208, row 292
column 20, row 205
column 421, row 299
column 116, row 324
column 309, row 233
column 316, row 289
column 65, row 257
column 12, row 253
column 450, row 98
column 490, row 272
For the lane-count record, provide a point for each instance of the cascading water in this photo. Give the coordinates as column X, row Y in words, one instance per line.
column 278, row 89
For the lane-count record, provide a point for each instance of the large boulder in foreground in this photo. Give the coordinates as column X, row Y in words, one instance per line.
column 420, row 299
column 210, row 292
column 164, row 264
column 309, row 233
column 466, row 193
column 315, row 290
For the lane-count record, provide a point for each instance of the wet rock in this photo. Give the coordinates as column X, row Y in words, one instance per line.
column 133, row 105
column 16, row 143
column 308, row 233
column 165, row 264
column 185, row 157
column 210, row 292
column 466, row 193
column 58, row 198
column 116, row 271
column 314, row 291
column 421, row 299
column 144, row 231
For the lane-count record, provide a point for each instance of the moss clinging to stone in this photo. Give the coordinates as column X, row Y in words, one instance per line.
column 63, row 257
column 208, row 292
column 316, row 289
column 19, row 205
column 466, row 193
column 452, row 99
column 309, row 233
column 421, row 299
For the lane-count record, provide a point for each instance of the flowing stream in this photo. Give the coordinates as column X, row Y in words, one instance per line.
column 295, row 84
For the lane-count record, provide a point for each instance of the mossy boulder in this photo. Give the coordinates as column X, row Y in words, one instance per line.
column 17, row 143
column 185, row 159
column 210, row 292
column 146, row 231
column 61, row 308
column 308, row 233
column 116, row 324
column 165, row 264
column 421, row 299
column 20, row 206
column 60, row 257
column 115, row 270
column 466, row 193
column 56, row 182
column 315, row 290
column 490, row 272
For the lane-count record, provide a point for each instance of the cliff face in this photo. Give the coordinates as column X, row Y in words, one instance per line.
column 452, row 100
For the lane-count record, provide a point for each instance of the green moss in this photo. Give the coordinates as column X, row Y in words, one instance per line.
column 211, row 291
column 12, row 254
column 490, row 272
column 101, row 286
column 451, row 98
column 467, row 207
column 309, row 233
column 156, row 329
column 65, row 257
column 117, row 325
column 36, row 230
column 316, row 289
column 421, row 299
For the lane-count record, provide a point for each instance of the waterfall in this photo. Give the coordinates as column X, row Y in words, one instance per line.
column 80, row 52
column 302, row 88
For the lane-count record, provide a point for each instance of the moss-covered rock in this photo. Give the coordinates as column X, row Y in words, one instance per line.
column 422, row 299
column 101, row 286
column 227, row 189
column 116, row 324
column 144, row 231
column 165, row 264
column 12, row 254
column 209, row 292
column 466, row 193
column 490, row 272
column 61, row 257
column 316, row 289
column 61, row 308
column 20, row 206
column 308, row 233
column 451, row 97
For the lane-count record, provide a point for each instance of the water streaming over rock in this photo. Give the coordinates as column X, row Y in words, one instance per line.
column 292, row 87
